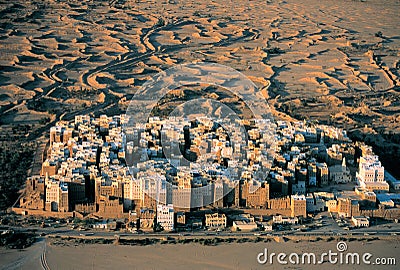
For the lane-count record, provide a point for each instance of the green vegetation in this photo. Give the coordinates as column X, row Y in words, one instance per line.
column 14, row 162
column 17, row 240
column 157, row 226
column 206, row 241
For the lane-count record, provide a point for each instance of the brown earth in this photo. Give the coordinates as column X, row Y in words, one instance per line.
column 332, row 61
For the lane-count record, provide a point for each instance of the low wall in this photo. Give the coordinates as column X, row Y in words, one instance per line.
column 35, row 212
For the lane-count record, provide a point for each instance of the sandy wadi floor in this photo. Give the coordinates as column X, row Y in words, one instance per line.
column 230, row 256
column 193, row 256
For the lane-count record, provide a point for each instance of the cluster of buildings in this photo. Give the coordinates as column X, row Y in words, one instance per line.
column 89, row 167
column 310, row 156
column 156, row 172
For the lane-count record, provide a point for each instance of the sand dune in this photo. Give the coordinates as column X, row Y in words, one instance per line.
column 295, row 50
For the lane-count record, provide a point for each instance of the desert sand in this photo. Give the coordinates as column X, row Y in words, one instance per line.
column 343, row 56
column 332, row 61
column 192, row 256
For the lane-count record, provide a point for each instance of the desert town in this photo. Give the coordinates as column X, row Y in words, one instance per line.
column 316, row 168
column 168, row 197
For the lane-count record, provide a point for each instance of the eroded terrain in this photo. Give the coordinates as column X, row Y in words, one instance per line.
column 332, row 61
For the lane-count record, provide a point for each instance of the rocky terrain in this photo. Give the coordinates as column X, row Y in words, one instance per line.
column 336, row 62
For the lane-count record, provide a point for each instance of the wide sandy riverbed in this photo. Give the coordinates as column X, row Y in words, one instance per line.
column 195, row 256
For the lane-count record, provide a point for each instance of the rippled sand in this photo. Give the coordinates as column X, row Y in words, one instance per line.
column 335, row 60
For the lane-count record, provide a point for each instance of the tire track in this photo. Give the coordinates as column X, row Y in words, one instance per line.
column 43, row 261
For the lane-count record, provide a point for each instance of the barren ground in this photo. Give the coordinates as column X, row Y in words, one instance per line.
column 332, row 61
